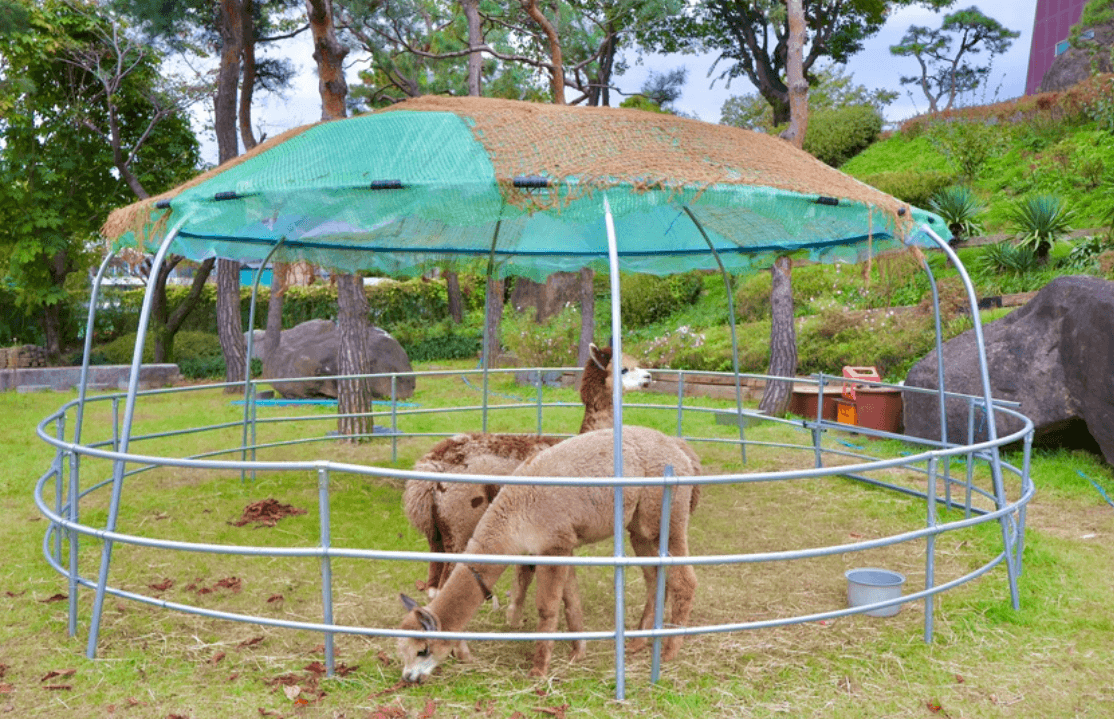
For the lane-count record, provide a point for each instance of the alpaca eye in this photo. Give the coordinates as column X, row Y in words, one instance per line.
column 623, row 371
column 425, row 652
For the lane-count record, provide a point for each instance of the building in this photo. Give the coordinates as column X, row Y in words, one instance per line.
column 1051, row 26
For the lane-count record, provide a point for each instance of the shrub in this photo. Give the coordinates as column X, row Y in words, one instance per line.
column 213, row 368
column 188, row 345
column 752, row 299
column 916, row 188
column 1006, row 257
column 554, row 343
column 1040, row 221
column 647, row 299
column 1084, row 254
column 835, row 136
column 959, row 207
column 968, row 144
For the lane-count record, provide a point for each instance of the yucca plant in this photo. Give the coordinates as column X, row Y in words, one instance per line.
column 959, row 207
column 1040, row 221
column 1007, row 257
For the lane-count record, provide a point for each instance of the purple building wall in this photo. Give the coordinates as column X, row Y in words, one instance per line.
column 1051, row 26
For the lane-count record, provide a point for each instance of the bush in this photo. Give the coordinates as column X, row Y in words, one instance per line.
column 647, row 299
column 188, row 346
column 959, row 207
column 554, row 343
column 835, row 136
column 213, row 368
column 1006, row 257
column 752, row 299
column 968, row 144
column 916, row 188
column 1040, row 221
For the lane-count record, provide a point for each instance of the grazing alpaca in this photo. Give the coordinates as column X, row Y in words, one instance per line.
column 543, row 520
column 447, row 512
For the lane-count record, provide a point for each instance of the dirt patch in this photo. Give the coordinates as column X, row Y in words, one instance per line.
column 266, row 513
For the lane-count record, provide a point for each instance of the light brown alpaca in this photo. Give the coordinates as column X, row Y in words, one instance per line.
column 552, row 521
column 447, row 512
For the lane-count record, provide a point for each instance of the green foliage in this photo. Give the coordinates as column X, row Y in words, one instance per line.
column 1007, row 257
column 1085, row 253
column 1040, row 221
column 188, row 345
column 967, row 144
column 647, row 299
column 835, row 136
column 554, row 343
column 959, row 207
column 912, row 186
column 752, row 297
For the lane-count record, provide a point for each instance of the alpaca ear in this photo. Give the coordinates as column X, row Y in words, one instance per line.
column 429, row 620
column 409, row 603
column 600, row 358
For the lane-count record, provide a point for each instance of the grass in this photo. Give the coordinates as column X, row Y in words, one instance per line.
column 1051, row 659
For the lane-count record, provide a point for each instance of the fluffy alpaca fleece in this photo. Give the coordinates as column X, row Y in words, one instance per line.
column 447, row 512
column 552, row 521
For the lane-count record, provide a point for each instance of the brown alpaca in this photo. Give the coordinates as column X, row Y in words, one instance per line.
column 447, row 512
column 539, row 520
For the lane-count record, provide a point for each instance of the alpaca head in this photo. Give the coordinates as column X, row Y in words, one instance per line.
column 599, row 360
column 421, row 656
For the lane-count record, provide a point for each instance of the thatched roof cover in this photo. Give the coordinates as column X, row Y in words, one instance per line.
column 439, row 180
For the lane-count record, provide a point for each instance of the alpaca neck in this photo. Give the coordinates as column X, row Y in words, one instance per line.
column 461, row 596
column 596, row 396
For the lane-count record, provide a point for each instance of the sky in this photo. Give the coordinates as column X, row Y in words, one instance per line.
column 874, row 67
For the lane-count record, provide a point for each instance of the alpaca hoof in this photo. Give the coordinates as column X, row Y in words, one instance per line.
column 671, row 647
column 535, row 672
column 514, row 616
column 579, row 650
column 462, row 652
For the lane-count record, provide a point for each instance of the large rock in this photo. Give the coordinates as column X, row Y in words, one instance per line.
column 1055, row 356
column 311, row 349
column 1077, row 64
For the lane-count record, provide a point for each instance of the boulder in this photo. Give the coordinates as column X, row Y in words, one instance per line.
column 312, row 348
column 1077, row 64
column 1054, row 355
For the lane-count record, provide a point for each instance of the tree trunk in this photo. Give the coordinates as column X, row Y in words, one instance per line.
column 556, row 56
column 247, row 89
column 587, row 314
column 493, row 318
column 230, row 27
column 273, row 334
column 783, row 341
column 795, row 76
column 230, row 323
column 353, row 395
column 475, row 39
column 329, row 54
column 456, row 302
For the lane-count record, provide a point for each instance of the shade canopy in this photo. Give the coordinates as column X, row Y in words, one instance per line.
column 453, row 181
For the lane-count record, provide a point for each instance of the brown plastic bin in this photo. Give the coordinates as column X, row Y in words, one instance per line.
column 878, row 408
column 803, row 401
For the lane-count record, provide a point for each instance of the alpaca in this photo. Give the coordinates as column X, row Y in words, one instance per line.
column 447, row 512
column 542, row 520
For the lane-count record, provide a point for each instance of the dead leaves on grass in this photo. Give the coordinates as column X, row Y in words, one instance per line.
column 266, row 513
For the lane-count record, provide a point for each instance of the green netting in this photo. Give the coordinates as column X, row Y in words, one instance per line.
column 456, row 181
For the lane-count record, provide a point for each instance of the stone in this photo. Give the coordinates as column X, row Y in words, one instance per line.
column 1054, row 355
column 1077, row 64
column 311, row 349
column 546, row 298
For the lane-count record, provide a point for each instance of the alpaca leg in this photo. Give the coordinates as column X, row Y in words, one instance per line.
column 551, row 581
column 645, row 547
column 680, row 587
column 523, row 575
column 574, row 615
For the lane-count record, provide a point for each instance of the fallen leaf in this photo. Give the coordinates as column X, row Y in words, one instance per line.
column 13, row 595
column 484, row 706
column 343, row 670
column 400, row 684
column 383, row 658
column 176, row 716
column 6, row 689
column 162, row 586
column 205, row 590
column 558, row 712
column 233, row 676
column 392, row 711
column 217, row 658
column 266, row 513
column 266, row 712
column 518, row 715
column 315, row 668
column 292, row 691
column 934, row 706
column 58, row 687
column 430, row 708
column 133, row 702
column 301, row 702
column 161, row 515
column 55, row 674
column 3, row 670
column 959, row 679
column 274, row 598
column 249, row 642
column 54, row 598
column 232, row 583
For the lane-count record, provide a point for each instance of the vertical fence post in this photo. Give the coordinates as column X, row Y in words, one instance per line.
column 394, row 417
column 326, row 565
column 663, row 552
column 930, row 550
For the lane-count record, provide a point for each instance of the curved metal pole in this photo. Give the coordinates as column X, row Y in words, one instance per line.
column 734, row 337
column 617, row 405
column 940, row 375
column 249, row 394
column 488, row 339
column 991, row 420
column 129, row 414
column 75, row 459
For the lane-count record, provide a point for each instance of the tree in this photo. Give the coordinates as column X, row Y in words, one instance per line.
column 944, row 54
column 751, row 37
column 88, row 118
column 783, row 337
